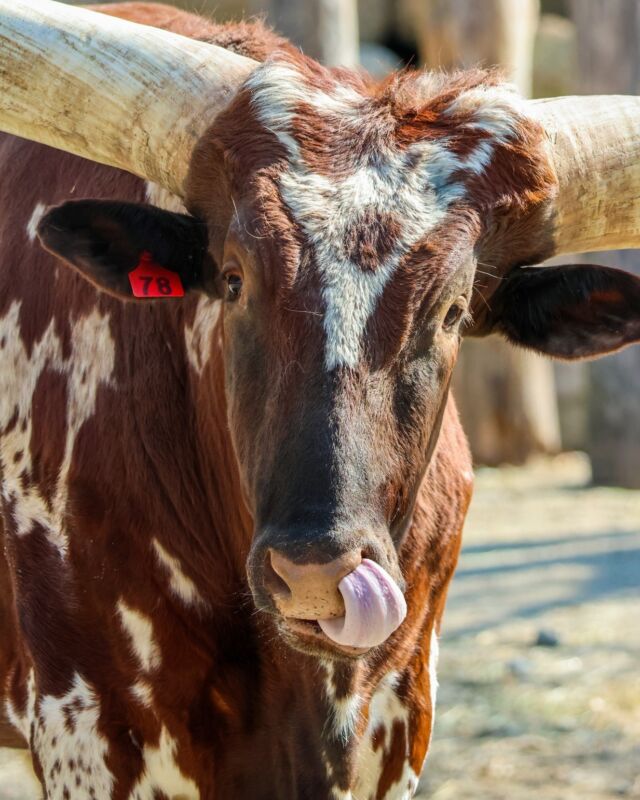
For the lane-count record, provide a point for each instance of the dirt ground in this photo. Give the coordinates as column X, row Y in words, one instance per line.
column 546, row 559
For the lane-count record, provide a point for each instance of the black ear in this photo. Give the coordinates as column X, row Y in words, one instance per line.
column 568, row 312
column 105, row 241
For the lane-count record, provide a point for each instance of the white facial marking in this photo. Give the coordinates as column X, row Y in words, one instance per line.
column 34, row 220
column 88, row 367
column 140, row 630
column 415, row 185
column 162, row 773
column 70, row 748
column 181, row 585
column 199, row 335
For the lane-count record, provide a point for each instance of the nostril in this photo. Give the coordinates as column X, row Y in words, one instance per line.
column 308, row 590
column 274, row 582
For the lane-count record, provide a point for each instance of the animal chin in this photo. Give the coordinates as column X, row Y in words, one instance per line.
column 307, row 637
column 374, row 608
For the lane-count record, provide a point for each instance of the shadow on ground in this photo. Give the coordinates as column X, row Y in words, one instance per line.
column 545, row 556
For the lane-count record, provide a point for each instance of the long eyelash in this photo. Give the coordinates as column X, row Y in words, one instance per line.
column 466, row 319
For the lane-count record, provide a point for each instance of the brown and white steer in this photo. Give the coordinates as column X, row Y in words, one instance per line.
column 216, row 506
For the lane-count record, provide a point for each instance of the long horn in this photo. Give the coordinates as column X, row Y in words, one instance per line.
column 110, row 90
column 594, row 144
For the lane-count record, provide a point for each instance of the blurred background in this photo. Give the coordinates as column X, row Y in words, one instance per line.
column 540, row 665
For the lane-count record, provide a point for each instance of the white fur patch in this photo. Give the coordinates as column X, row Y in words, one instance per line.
column 140, row 630
column 162, row 773
column 69, row 746
column 385, row 709
column 434, row 652
column 143, row 693
column 34, row 220
column 181, row 585
column 20, row 719
column 198, row 337
column 345, row 711
column 163, row 198
column 415, row 185
column 88, row 367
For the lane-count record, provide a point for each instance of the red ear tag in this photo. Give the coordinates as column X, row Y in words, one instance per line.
column 149, row 279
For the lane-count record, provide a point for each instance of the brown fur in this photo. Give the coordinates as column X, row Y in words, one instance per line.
column 249, row 713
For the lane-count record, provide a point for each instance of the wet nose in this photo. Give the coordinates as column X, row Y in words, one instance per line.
column 309, row 591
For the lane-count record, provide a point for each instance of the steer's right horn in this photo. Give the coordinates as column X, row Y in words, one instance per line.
column 110, row 90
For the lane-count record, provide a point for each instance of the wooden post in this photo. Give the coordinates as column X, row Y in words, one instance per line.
column 609, row 61
column 327, row 30
column 506, row 396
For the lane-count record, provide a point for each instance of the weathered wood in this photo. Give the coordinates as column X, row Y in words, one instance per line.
column 325, row 29
column 609, row 58
column 463, row 33
column 506, row 397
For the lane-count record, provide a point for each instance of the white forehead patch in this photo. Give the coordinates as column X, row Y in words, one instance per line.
column 415, row 185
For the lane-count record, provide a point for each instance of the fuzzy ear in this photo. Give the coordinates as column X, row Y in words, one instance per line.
column 105, row 241
column 570, row 312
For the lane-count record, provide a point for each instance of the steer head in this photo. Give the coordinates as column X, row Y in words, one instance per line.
column 343, row 226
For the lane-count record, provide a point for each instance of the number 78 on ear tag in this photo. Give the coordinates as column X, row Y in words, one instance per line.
column 149, row 279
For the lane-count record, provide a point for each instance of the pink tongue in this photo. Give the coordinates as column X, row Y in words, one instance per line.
column 374, row 608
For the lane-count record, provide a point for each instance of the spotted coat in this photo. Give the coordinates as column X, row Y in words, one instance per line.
column 133, row 662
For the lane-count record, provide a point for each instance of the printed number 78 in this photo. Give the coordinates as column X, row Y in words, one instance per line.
column 163, row 285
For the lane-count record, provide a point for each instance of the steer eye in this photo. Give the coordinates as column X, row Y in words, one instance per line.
column 234, row 285
column 454, row 315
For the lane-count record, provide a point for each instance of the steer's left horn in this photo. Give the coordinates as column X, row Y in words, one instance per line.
column 594, row 145
column 110, row 90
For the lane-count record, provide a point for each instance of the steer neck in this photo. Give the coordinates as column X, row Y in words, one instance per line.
column 189, row 485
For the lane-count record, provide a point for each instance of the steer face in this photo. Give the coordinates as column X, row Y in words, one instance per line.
column 336, row 382
column 348, row 266
column 341, row 225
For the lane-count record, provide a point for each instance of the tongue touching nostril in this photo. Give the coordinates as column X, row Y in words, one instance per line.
column 374, row 608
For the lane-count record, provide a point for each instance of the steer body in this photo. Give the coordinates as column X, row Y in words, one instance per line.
column 133, row 662
column 133, row 659
column 230, row 517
